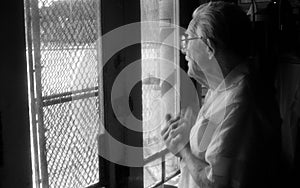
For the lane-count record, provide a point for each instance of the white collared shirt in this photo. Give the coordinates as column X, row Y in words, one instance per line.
column 216, row 120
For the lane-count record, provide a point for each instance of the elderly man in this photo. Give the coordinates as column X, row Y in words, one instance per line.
column 232, row 141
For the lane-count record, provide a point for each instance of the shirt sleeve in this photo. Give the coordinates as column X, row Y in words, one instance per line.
column 226, row 152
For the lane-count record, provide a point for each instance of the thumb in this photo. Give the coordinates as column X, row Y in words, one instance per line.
column 182, row 113
column 188, row 114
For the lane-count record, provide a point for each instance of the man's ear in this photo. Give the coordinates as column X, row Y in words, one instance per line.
column 210, row 49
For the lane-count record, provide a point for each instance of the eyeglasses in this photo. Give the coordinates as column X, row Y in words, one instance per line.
column 184, row 42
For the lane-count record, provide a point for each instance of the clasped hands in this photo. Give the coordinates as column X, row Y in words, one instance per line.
column 176, row 133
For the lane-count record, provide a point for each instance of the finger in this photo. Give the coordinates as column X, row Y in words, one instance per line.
column 168, row 140
column 182, row 112
column 176, row 124
column 178, row 116
column 176, row 139
column 168, row 117
column 165, row 129
column 168, row 133
column 177, row 130
column 174, row 120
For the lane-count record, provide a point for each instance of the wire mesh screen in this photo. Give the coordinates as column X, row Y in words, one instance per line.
column 70, row 143
column 68, row 80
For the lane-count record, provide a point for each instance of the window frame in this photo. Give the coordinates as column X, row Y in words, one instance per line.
column 128, row 12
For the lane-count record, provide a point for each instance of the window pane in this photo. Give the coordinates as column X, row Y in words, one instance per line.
column 152, row 173
column 158, row 98
column 171, row 166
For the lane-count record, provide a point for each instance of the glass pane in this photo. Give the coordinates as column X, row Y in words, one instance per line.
column 171, row 165
column 171, row 168
column 158, row 97
column 152, row 173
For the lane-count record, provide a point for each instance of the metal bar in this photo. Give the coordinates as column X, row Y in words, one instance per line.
column 167, row 179
column 97, row 185
column 163, row 168
column 31, row 98
column 60, row 95
column 68, row 48
column 100, row 90
column 70, row 98
column 155, row 156
column 177, row 54
column 37, row 60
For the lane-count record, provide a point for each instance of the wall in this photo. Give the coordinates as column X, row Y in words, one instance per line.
column 15, row 170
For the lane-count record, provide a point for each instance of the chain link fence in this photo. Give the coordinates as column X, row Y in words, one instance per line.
column 68, row 87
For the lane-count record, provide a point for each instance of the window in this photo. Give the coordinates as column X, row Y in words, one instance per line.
column 68, row 92
column 64, row 91
column 158, row 97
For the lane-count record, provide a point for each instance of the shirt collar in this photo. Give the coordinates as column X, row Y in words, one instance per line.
column 233, row 78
